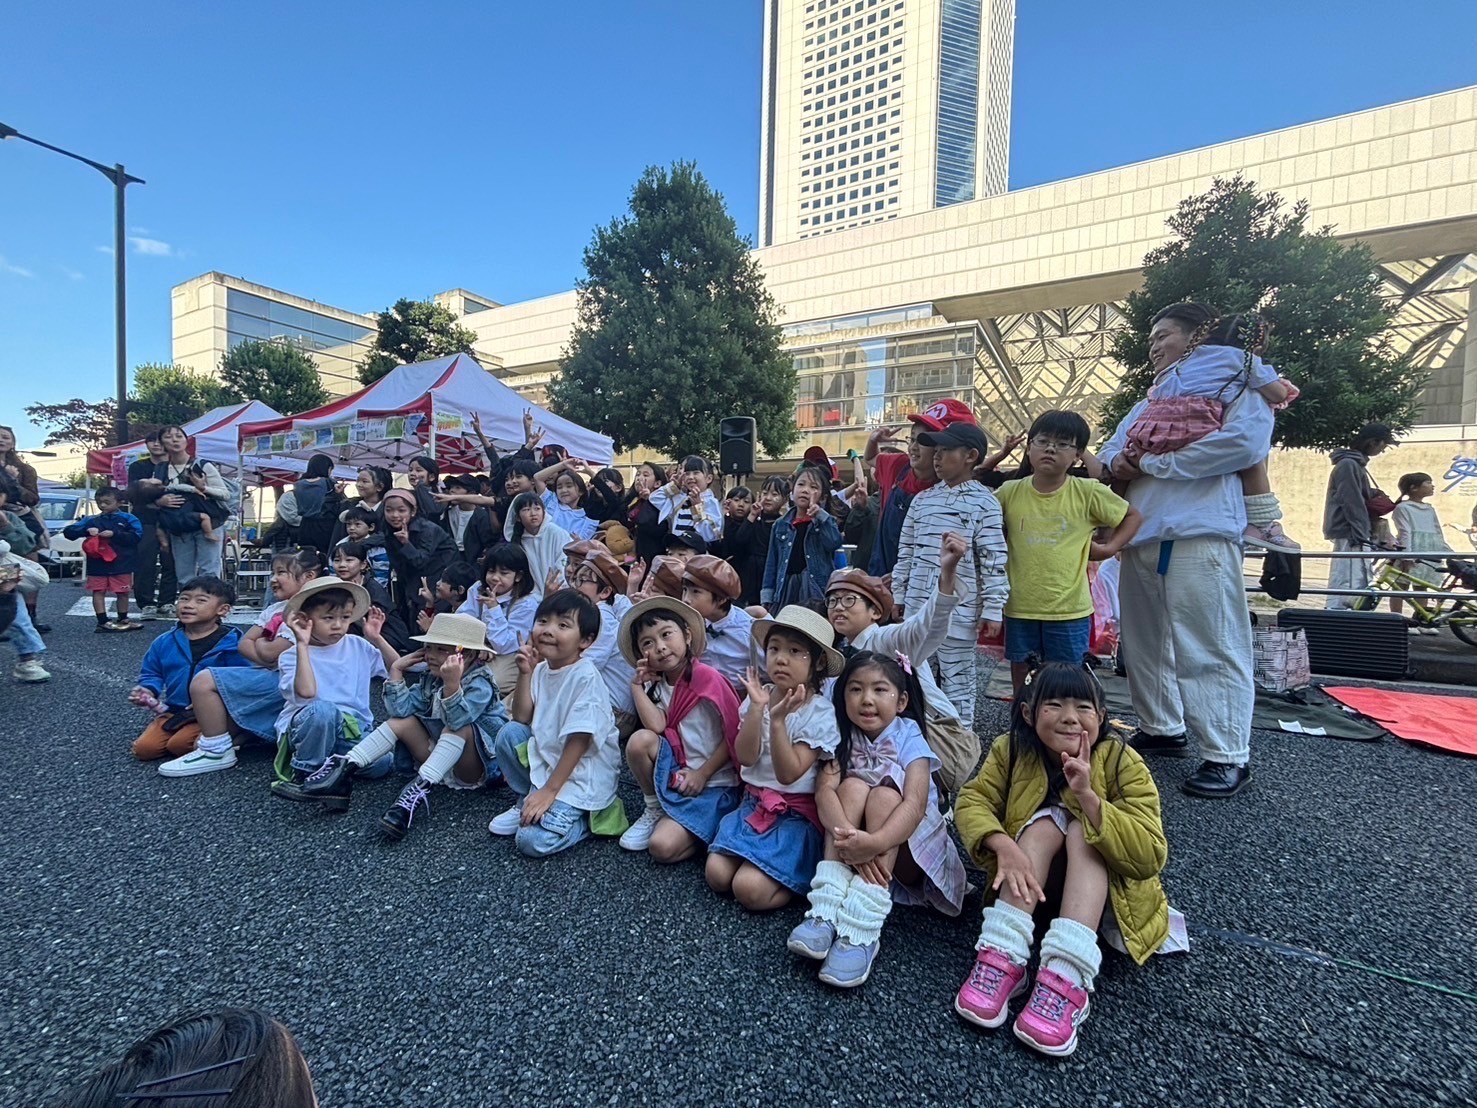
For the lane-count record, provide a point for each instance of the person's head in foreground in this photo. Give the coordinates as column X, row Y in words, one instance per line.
column 231, row 1058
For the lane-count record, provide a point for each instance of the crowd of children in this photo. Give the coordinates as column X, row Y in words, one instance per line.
column 802, row 727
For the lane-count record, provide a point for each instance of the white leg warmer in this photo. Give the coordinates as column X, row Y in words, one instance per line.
column 1071, row 950
column 828, row 890
column 863, row 911
column 1262, row 508
column 1009, row 930
column 373, row 746
column 443, row 756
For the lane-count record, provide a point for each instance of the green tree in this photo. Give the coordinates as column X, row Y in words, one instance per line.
column 170, row 394
column 278, row 372
column 414, row 331
column 676, row 329
column 77, row 479
column 76, row 420
column 1236, row 249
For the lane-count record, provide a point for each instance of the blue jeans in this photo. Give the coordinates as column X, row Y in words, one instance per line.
column 563, row 824
column 195, row 555
column 23, row 634
column 1047, row 640
column 316, row 731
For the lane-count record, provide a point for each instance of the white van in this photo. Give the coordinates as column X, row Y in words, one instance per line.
column 58, row 508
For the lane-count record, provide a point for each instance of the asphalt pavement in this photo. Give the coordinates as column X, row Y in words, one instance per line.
column 1330, row 905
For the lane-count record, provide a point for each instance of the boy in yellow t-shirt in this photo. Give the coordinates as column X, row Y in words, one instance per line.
column 1050, row 518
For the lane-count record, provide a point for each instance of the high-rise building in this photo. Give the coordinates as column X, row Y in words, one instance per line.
column 875, row 109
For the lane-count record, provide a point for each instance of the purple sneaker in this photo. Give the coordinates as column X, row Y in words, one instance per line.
column 1051, row 1017
column 993, row 982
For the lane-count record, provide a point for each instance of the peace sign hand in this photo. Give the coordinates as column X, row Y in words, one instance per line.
column 1077, row 767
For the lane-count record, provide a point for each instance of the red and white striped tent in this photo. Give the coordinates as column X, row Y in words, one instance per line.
column 424, row 408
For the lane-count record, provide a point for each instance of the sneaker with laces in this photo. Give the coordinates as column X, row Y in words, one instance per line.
column 30, row 672
column 638, row 835
column 149, row 611
column 848, row 965
column 1269, row 536
column 509, row 822
column 414, row 797
column 1050, row 1019
column 812, row 938
column 984, row 998
column 331, row 784
column 197, row 762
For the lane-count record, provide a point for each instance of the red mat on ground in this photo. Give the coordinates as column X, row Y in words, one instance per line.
column 1445, row 722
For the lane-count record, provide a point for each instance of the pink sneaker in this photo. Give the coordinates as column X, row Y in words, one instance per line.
column 1050, row 1019
column 993, row 983
column 1270, row 537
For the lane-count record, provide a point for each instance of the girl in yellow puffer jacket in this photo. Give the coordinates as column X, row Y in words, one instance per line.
column 1059, row 797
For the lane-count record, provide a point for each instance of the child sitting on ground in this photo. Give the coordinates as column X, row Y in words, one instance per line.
column 711, row 587
column 324, row 678
column 1188, row 397
column 244, row 703
column 448, row 720
column 601, row 578
column 200, row 640
column 885, row 838
column 689, row 718
column 505, row 599
column 1059, row 788
column 560, row 752
column 362, row 526
column 111, row 548
column 766, row 850
column 1050, row 518
column 859, row 607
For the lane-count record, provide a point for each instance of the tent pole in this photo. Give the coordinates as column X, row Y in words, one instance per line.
column 431, row 438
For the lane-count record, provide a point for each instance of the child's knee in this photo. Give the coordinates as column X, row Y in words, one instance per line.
column 853, row 791
column 671, row 842
column 152, row 744
column 643, row 742
column 718, row 871
column 203, row 683
column 182, row 741
column 757, row 891
column 880, row 804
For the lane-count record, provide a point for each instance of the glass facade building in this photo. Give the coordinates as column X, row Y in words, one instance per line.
column 959, row 101
column 336, row 346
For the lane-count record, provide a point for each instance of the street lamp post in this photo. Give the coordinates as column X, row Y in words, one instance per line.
column 121, row 180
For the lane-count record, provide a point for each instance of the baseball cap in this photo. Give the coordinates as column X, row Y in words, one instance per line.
column 967, row 435
column 942, row 413
column 690, row 539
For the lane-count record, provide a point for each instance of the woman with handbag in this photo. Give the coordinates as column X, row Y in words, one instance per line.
column 1354, row 511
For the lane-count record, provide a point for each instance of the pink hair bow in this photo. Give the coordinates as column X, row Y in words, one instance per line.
column 905, row 662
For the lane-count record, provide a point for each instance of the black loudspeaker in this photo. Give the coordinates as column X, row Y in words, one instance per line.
column 736, row 445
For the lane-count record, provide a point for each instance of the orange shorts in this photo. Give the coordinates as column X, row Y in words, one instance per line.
column 156, row 742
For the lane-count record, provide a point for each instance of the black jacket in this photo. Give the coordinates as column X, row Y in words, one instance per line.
column 482, row 534
column 429, row 551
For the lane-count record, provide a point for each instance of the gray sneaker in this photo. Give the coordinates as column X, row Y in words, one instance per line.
column 812, row 938
column 149, row 611
column 847, row 966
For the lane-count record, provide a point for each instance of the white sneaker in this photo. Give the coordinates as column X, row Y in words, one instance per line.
column 638, row 835
column 30, row 672
column 197, row 762
column 507, row 823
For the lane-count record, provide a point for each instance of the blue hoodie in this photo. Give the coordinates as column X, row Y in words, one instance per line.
column 127, row 531
column 169, row 666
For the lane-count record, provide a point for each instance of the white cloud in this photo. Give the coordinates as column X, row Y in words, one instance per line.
column 138, row 230
column 108, row 250
column 70, row 273
column 152, row 247
column 15, row 270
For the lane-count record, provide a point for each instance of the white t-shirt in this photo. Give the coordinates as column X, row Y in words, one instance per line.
column 813, row 723
column 573, row 701
column 702, row 734
column 728, row 647
column 343, row 672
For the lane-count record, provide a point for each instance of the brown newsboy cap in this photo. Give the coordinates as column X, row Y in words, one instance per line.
column 664, row 578
column 584, row 548
column 873, row 589
column 610, row 571
column 708, row 571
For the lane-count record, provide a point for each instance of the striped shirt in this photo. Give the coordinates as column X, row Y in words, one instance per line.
column 970, row 510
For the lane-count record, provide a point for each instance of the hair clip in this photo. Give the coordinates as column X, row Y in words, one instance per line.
column 144, row 1090
column 905, row 662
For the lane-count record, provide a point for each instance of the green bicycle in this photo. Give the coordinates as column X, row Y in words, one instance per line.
column 1439, row 610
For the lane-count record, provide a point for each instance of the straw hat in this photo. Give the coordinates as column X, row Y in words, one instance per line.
column 872, row 589
column 696, row 628
column 812, row 625
column 458, row 631
column 323, row 584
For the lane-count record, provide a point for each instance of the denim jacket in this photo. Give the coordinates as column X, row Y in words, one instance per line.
column 822, row 540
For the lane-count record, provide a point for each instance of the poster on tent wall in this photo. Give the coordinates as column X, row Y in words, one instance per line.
column 335, row 435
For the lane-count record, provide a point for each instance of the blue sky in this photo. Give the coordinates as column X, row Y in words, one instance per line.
column 356, row 153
